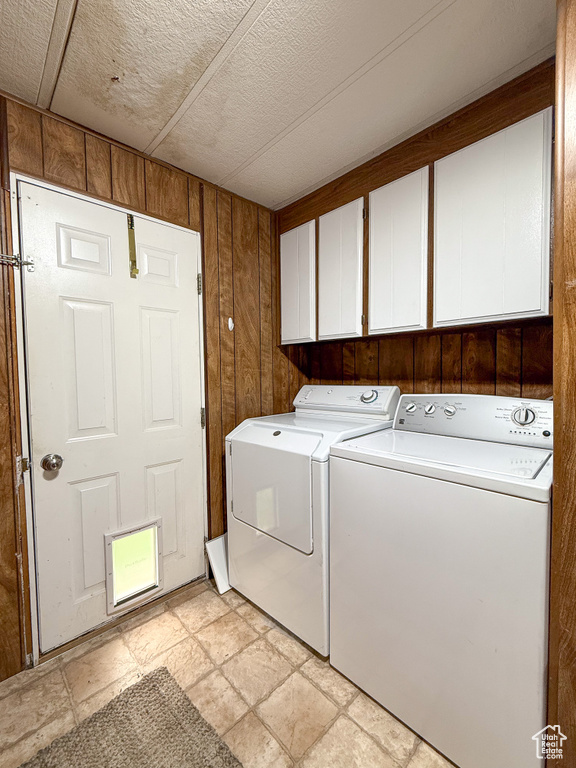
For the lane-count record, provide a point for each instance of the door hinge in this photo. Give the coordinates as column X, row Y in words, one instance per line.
column 132, row 247
column 202, row 417
column 364, row 213
column 16, row 261
column 551, row 290
column 199, row 283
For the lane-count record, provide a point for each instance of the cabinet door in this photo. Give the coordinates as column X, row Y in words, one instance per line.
column 492, row 226
column 399, row 255
column 298, row 284
column 341, row 237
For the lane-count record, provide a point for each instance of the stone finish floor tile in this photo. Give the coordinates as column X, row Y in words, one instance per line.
column 257, row 671
column 347, row 746
column 225, row 637
column 217, row 701
column 255, row 618
column 294, row 651
column 30, row 708
column 201, row 610
column 426, row 757
column 187, row 662
column 98, row 669
column 233, row 599
column 155, row 636
column 98, row 700
column 254, row 746
column 297, row 713
column 328, row 680
column 26, row 748
column 28, row 676
column 391, row 734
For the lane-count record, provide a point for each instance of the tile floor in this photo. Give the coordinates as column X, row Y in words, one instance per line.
column 275, row 704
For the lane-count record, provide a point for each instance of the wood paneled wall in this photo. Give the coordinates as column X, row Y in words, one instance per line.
column 509, row 360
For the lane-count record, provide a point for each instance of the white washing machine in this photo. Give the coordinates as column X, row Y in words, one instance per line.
column 439, row 561
column 277, row 483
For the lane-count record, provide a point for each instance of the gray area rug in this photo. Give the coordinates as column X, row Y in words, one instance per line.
column 152, row 724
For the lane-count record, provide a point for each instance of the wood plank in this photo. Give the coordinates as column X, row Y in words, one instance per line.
column 331, row 363
column 213, row 390
column 194, row 203
column 293, row 373
column 4, row 160
column 348, row 362
column 166, row 193
column 537, row 355
column 128, row 179
column 366, row 369
column 25, row 139
column 98, row 167
column 314, row 363
column 562, row 655
column 509, row 362
column 246, row 307
column 479, row 362
column 396, row 362
column 266, row 332
column 280, row 372
column 227, row 337
column 303, row 365
column 452, row 362
column 524, row 96
column 428, row 364
column 64, row 154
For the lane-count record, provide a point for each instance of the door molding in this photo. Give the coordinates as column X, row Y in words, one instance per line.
column 20, row 318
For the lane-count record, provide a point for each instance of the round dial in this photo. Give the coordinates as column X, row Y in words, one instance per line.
column 523, row 416
column 449, row 410
column 411, row 408
column 429, row 409
column 369, row 396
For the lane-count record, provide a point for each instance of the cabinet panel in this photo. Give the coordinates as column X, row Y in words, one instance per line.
column 399, row 254
column 492, row 226
column 298, row 284
column 341, row 234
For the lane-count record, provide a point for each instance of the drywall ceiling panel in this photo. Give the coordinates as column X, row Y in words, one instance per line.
column 468, row 50
column 291, row 58
column 129, row 65
column 25, row 28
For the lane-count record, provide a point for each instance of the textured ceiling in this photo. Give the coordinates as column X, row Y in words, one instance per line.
column 269, row 98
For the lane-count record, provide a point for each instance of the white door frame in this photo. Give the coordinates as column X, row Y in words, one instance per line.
column 20, row 306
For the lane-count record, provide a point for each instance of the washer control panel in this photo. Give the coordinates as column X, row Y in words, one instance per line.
column 478, row 417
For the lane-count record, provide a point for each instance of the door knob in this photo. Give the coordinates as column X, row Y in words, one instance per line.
column 51, row 462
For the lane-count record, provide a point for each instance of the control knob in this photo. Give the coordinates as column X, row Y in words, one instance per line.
column 369, row 396
column 523, row 416
column 411, row 408
column 429, row 409
column 449, row 410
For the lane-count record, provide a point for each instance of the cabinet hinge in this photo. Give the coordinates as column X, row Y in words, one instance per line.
column 364, row 213
column 199, row 283
column 363, row 319
column 132, row 246
column 16, row 261
column 202, row 417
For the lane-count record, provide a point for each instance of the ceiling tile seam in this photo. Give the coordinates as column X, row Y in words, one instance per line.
column 532, row 61
column 377, row 59
column 236, row 37
column 59, row 36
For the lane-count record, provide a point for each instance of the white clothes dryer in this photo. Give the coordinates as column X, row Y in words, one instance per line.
column 440, row 536
column 277, row 480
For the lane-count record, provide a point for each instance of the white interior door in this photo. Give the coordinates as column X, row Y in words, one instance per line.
column 115, row 388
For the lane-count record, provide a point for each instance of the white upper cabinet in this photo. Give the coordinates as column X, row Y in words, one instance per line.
column 340, row 247
column 399, row 255
column 298, row 284
column 492, row 226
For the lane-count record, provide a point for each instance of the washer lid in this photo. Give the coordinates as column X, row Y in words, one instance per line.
column 516, row 470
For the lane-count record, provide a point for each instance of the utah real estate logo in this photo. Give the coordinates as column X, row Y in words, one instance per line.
column 549, row 743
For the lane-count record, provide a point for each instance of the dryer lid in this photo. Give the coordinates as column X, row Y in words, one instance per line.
column 271, row 482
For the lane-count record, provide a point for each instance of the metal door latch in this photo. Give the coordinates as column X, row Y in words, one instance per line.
column 16, row 261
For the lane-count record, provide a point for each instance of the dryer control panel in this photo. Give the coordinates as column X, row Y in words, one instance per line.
column 373, row 401
column 511, row 420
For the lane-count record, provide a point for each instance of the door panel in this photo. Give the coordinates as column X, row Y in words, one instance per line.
column 115, row 389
